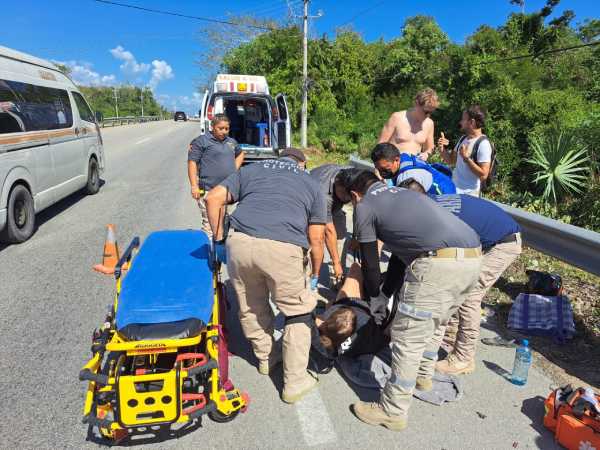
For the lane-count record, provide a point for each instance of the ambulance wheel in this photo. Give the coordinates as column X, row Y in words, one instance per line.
column 93, row 181
column 219, row 417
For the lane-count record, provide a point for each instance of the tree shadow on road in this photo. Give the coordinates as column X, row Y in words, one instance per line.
column 146, row 435
column 533, row 408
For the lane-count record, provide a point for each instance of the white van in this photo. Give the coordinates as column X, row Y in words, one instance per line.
column 50, row 144
column 259, row 122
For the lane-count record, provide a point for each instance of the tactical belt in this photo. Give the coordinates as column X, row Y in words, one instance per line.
column 452, row 252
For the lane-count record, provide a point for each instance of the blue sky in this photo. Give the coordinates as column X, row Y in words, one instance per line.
column 106, row 44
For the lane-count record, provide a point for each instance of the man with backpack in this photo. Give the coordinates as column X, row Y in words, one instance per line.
column 473, row 155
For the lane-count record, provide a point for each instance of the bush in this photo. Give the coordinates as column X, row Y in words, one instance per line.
column 585, row 211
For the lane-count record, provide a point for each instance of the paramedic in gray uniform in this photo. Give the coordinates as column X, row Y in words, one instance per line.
column 212, row 157
column 279, row 207
column 330, row 178
column 443, row 260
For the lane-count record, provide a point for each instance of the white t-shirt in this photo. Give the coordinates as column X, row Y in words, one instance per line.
column 465, row 180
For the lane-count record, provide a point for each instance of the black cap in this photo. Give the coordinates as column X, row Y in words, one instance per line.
column 295, row 153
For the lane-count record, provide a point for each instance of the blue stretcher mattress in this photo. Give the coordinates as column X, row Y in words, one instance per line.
column 170, row 280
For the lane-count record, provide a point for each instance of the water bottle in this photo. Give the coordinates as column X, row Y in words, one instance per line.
column 522, row 364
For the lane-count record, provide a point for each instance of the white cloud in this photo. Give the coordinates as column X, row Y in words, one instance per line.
column 161, row 71
column 83, row 74
column 130, row 65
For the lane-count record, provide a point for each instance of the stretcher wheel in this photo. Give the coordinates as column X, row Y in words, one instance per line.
column 219, row 417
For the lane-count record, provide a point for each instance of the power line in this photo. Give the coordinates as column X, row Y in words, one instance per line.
column 361, row 13
column 170, row 13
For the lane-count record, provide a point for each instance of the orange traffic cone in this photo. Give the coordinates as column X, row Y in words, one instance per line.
column 110, row 257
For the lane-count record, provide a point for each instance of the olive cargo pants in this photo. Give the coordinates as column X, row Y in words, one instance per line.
column 462, row 332
column 432, row 291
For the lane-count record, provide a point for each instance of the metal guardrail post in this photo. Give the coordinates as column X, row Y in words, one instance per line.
column 573, row 245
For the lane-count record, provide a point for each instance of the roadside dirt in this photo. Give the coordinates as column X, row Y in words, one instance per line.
column 578, row 361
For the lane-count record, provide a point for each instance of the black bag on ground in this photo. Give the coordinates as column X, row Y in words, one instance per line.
column 543, row 283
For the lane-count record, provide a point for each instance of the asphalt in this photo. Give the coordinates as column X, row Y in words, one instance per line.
column 51, row 300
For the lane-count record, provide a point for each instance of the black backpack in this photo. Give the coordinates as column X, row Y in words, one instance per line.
column 492, row 177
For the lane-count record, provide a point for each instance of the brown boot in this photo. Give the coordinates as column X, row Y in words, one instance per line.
column 291, row 394
column 424, row 384
column 453, row 366
column 373, row 414
column 266, row 366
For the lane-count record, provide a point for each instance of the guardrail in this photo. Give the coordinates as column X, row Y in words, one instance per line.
column 576, row 246
column 117, row 121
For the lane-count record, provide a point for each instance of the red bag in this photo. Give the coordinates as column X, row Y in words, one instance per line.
column 575, row 425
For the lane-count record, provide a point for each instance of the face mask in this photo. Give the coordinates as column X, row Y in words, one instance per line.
column 386, row 173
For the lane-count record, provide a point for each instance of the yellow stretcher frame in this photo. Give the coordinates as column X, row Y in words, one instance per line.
column 219, row 404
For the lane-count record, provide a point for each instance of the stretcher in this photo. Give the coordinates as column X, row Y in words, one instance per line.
column 160, row 358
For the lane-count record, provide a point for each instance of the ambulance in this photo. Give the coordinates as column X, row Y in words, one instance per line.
column 260, row 123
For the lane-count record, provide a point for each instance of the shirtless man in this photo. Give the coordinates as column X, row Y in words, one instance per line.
column 412, row 131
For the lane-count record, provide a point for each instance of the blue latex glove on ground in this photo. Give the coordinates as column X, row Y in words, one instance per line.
column 220, row 252
column 314, row 280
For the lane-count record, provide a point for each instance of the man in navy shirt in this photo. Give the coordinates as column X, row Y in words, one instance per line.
column 280, row 215
column 500, row 239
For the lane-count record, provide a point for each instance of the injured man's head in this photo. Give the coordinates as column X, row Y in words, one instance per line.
column 336, row 327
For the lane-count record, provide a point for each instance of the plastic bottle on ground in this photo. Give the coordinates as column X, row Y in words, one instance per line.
column 522, row 363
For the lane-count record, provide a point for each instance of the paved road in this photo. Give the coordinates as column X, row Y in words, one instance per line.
column 50, row 301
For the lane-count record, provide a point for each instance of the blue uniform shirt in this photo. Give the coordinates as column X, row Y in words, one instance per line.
column 277, row 201
column 215, row 159
column 489, row 221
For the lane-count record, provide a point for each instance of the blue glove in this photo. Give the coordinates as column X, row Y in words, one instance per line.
column 314, row 280
column 220, row 251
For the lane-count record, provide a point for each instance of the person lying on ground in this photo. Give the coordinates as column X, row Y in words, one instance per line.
column 347, row 326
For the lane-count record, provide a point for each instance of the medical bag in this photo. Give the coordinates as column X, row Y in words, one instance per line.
column 573, row 416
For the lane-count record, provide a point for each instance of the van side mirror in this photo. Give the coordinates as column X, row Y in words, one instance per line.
column 99, row 116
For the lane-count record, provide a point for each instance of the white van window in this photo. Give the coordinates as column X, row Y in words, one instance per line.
column 28, row 107
column 84, row 110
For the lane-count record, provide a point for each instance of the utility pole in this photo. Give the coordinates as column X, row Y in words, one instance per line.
column 303, row 128
column 116, row 101
column 142, row 100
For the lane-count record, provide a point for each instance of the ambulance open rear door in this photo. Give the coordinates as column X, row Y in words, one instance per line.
column 283, row 127
column 204, row 125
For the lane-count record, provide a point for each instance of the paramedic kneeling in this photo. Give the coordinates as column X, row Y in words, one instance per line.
column 279, row 203
column 443, row 259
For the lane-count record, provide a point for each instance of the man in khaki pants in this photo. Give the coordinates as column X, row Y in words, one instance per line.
column 279, row 205
column 500, row 239
column 443, row 259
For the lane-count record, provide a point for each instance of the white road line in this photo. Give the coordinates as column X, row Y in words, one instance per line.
column 142, row 141
column 314, row 419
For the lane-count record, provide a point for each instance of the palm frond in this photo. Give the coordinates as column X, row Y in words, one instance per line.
column 560, row 164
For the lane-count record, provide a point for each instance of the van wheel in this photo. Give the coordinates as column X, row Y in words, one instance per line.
column 93, row 182
column 20, row 216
